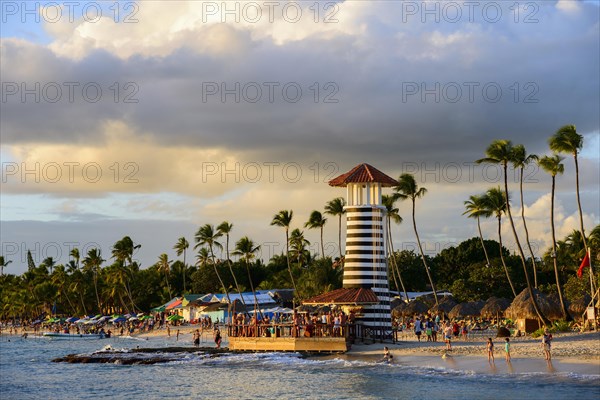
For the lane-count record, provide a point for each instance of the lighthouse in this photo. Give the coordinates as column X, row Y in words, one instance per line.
column 366, row 257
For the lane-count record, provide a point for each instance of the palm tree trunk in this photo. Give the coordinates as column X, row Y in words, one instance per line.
column 185, row 268
column 487, row 258
column 535, row 284
column 237, row 286
column 394, row 263
column 502, row 258
column 219, row 276
column 96, row 289
column 566, row 315
column 322, row 244
column 579, row 204
column 287, row 256
column 168, row 286
column 82, row 302
column 387, row 239
column 253, row 291
column 536, row 307
column 423, row 254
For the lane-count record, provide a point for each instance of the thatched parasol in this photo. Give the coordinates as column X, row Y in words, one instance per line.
column 445, row 305
column 578, row 306
column 470, row 309
column 521, row 306
column 399, row 309
column 494, row 306
column 396, row 301
column 414, row 307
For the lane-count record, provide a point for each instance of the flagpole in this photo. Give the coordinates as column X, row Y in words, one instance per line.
column 592, row 292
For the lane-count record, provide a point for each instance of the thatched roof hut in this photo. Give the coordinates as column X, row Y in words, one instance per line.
column 414, row 307
column 521, row 306
column 395, row 302
column 470, row 309
column 578, row 306
column 399, row 309
column 495, row 306
column 446, row 304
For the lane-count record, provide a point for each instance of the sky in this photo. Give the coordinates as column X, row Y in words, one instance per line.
column 152, row 118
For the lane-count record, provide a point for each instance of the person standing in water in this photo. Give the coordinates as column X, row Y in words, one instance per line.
column 546, row 339
column 490, row 350
column 507, row 349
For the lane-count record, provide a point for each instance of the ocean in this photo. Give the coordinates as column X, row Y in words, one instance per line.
column 26, row 372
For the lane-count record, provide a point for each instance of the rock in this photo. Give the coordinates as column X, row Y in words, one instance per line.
column 503, row 332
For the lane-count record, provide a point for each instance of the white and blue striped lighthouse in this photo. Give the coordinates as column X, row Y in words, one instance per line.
column 366, row 257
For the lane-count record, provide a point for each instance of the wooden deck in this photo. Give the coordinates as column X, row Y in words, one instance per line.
column 300, row 344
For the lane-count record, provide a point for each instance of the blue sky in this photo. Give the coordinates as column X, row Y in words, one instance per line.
column 155, row 127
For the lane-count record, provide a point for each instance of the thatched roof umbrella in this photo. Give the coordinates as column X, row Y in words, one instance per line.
column 399, row 309
column 470, row 309
column 495, row 306
column 445, row 305
column 521, row 306
column 396, row 301
column 414, row 307
column 578, row 306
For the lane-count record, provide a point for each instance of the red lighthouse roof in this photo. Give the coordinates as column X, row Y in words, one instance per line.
column 363, row 173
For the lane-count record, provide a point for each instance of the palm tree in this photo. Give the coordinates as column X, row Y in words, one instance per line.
column 246, row 249
column 59, row 279
column 567, row 140
column 49, row 263
column 3, row 264
column 475, row 208
column 93, row 263
column 408, row 189
column 315, row 221
column 336, row 207
column 207, row 236
column 284, row 218
column 225, row 229
column 392, row 214
column 164, row 265
column 298, row 245
column 180, row 247
column 520, row 159
column 122, row 252
column 76, row 256
column 203, row 257
column 554, row 166
column 495, row 203
column 501, row 152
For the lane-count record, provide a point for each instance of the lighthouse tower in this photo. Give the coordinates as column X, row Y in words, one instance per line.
column 365, row 263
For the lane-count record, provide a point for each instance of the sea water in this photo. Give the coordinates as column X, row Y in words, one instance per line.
column 27, row 372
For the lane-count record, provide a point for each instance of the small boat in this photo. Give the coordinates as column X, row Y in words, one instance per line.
column 74, row 336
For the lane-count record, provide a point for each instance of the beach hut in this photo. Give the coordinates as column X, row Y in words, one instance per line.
column 494, row 307
column 521, row 310
column 579, row 306
column 469, row 309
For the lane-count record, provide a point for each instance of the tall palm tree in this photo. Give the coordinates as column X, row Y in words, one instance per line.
column 225, row 229
column 246, row 249
column 315, row 221
column 49, row 263
column 476, row 208
column 122, row 252
column 74, row 253
column 207, row 236
column 520, row 159
column 3, row 264
column 495, row 203
column 408, row 189
column 335, row 207
column 554, row 166
column 392, row 214
column 180, row 247
column 59, row 279
column 284, row 218
column 567, row 140
column 501, row 152
column 164, row 265
column 203, row 257
column 93, row 263
column 298, row 244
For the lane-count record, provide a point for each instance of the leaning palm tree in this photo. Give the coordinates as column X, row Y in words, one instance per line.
column 567, row 140
column 554, row 166
column 336, row 207
column 520, row 159
column 315, row 221
column 284, row 218
column 501, row 152
column 476, row 208
column 3, row 264
column 407, row 188
column 180, row 247
column 495, row 202
column 164, row 265
column 246, row 249
column 207, row 236
column 392, row 214
column 225, row 229
column 122, row 252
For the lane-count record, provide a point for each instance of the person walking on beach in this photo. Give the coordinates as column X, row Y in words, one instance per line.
column 507, row 349
column 490, row 349
column 448, row 336
column 418, row 329
column 546, row 339
column 196, row 338
column 217, row 334
column 177, row 336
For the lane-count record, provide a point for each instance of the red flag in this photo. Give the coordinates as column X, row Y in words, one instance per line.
column 584, row 263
